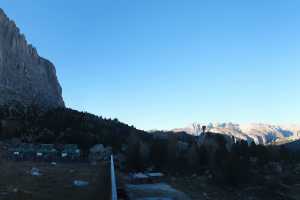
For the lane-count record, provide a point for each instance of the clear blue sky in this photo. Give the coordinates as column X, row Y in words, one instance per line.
column 166, row 63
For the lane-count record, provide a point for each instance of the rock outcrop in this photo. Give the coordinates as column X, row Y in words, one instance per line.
column 25, row 77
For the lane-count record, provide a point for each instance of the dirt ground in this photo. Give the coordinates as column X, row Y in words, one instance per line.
column 54, row 183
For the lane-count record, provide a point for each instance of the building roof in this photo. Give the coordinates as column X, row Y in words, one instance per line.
column 139, row 175
column 155, row 174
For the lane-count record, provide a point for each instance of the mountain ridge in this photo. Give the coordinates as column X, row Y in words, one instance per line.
column 260, row 133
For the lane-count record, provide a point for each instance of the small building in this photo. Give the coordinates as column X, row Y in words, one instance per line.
column 155, row 177
column 28, row 151
column 70, row 152
column 46, row 152
column 139, row 178
column 145, row 178
column 98, row 153
column 22, row 151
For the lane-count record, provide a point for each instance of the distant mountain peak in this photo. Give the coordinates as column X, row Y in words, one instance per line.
column 260, row 133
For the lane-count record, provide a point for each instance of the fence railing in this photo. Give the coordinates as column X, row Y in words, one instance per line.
column 114, row 195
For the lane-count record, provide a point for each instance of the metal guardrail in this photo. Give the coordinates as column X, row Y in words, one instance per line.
column 114, row 195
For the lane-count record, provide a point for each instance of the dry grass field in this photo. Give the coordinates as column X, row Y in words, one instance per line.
column 54, row 183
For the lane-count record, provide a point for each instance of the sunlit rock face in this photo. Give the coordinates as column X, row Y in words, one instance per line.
column 25, row 77
column 259, row 133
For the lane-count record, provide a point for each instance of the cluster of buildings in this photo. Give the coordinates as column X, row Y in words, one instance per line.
column 46, row 152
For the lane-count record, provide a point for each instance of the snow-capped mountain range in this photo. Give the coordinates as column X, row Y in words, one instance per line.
column 258, row 132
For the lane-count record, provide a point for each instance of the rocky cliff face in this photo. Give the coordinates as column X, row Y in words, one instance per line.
column 25, row 77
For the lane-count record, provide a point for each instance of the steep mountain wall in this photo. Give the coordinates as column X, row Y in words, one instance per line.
column 25, row 77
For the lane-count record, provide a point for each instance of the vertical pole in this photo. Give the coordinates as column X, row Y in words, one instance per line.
column 113, row 179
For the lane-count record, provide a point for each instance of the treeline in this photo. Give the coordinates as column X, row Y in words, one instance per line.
column 225, row 162
column 64, row 125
